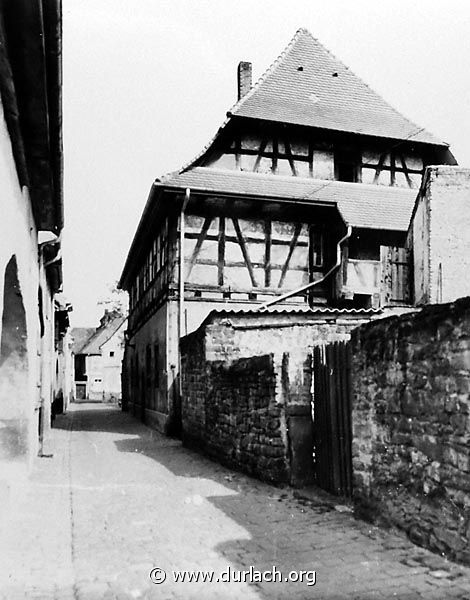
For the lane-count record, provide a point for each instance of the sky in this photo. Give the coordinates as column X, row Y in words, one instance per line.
column 147, row 83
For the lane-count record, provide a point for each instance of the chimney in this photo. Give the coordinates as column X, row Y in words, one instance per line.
column 244, row 78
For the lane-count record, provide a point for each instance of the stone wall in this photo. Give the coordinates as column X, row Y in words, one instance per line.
column 245, row 419
column 246, row 381
column 411, row 426
column 233, row 410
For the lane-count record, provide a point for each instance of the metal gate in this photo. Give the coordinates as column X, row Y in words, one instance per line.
column 332, row 418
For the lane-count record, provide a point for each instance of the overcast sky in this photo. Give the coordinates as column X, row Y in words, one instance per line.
column 148, row 82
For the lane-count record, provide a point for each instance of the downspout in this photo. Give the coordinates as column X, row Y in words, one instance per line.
column 181, row 291
column 181, row 265
column 310, row 285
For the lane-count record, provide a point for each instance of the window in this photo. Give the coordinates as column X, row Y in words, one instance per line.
column 316, row 247
column 347, row 165
column 111, row 353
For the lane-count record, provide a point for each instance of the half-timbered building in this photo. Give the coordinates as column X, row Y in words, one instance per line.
column 303, row 198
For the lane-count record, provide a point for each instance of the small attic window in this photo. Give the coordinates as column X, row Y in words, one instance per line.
column 347, row 164
column 335, row 74
column 300, row 68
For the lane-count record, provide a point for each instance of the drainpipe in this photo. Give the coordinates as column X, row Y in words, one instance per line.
column 310, row 285
column 181, row 265
column 181, row 287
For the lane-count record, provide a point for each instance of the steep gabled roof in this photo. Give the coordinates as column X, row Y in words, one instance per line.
column 80, row 336
column 309, row 86
column 101, row 336
column 361, row 205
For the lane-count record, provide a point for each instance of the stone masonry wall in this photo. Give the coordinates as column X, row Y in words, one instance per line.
column 246, row 381
column 231, row 410
column 411, row 425
column 245, row 423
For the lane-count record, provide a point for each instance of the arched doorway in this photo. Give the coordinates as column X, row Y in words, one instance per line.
column 13, row 369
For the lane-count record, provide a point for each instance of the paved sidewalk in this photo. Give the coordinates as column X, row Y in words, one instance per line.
column 117, row 500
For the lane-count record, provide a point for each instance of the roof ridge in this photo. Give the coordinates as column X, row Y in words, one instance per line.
column 269, row 70
column 112, row 333
column 305, row 31
column 369, row 87
column 415, row 129
column 239, row 102
column 103, row 329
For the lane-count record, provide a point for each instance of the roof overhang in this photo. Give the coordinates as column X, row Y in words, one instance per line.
column 30, row 87
column 361, row 206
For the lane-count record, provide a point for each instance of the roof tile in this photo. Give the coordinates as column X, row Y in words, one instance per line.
column 309, row 86
column 101, row 336
column 361, row 205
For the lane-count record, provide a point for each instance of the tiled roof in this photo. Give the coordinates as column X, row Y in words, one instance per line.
column 309, row 86
column 360, row 205
column 101, row 336
column 80, row 336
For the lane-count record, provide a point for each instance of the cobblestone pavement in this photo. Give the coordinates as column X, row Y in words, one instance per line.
column 117, row 500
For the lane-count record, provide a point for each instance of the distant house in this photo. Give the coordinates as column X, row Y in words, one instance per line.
column 63, row 364
column 98, row 359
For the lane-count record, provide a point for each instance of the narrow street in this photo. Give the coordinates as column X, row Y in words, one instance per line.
column 118, row 500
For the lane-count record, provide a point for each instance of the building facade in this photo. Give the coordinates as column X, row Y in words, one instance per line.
column 303, row 198
column 30, row 227
column 97, row 358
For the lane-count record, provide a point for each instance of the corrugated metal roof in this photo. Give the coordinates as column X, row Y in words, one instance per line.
column 303, row 310
column 291, row 310
column 360, row 205
column 309, row 86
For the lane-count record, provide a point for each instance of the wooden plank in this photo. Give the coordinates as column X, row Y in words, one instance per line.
column 290, row 157
column 334, row 420
column 335, row 370
column 249, row 239
column 221, row 250
column 275, row 155
column 292, row 245
column 269, row 154
column 238, row 145
column 405, row 170
column 201, row 237
column 310, row 158
column 347, row 416
column 386, row 168
column 260, row 155
column 379, row 167
column 395, row 285
column 267, row 257
column 244, row 250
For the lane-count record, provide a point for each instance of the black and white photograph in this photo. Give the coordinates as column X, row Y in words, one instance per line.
column 234, row 300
